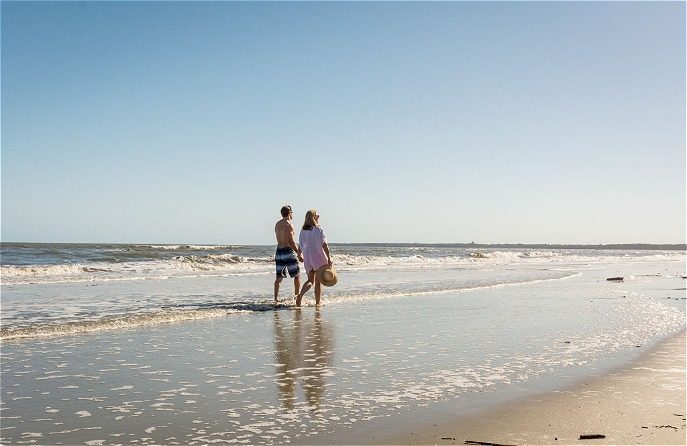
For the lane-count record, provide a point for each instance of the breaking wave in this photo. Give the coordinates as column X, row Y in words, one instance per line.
column 24, row 264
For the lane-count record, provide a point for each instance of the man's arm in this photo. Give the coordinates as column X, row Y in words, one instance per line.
column 292, row 242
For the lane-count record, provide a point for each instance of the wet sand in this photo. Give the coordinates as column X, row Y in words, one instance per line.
column 641, row 403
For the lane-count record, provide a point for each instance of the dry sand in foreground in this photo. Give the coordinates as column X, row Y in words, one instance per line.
column 643, row 403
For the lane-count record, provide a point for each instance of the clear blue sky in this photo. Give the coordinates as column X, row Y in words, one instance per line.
column 400, row 122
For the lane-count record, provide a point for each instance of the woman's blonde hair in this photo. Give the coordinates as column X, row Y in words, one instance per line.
column 310, row 222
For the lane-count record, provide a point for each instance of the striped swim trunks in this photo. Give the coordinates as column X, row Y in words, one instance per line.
column 286, row 261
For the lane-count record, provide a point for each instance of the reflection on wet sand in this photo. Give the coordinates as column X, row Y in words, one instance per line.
column 303, row 348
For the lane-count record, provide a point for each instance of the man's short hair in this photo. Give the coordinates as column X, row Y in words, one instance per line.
column 286, row 210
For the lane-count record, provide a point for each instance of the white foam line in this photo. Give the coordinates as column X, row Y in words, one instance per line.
column 75, row 430
column 345, row 299
column 128, row 322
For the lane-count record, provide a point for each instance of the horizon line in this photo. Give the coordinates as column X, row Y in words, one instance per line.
column 399, row 244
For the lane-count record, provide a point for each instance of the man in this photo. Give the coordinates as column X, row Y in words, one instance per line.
column 288, row 253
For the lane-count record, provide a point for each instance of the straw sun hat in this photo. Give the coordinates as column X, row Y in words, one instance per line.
column 327, row 275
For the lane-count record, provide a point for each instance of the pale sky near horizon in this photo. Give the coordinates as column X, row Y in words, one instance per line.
column 193, row 122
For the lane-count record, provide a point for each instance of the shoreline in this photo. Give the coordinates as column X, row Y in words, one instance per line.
column 642, row 402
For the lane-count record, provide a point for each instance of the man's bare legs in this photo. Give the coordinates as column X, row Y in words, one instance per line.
column 296, row 286
column 277, row 281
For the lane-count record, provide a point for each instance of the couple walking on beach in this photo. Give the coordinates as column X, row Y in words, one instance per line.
column 312, row 249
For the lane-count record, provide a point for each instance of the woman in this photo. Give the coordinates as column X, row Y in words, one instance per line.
column 313, row 244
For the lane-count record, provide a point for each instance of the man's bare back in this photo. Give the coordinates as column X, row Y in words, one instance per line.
column 285, row 234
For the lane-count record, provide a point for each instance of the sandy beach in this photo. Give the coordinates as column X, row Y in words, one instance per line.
column 641, row 403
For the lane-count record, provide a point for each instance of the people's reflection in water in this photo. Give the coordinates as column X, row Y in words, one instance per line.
column 303, row 346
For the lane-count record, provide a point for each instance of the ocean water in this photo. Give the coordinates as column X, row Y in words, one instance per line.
column 50, row 289
column 116, row 344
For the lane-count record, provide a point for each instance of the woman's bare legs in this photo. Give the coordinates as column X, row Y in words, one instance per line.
column 318, row 290
column 306, row 287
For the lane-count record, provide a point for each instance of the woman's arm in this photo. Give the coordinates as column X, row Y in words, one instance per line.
column 325, row 247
